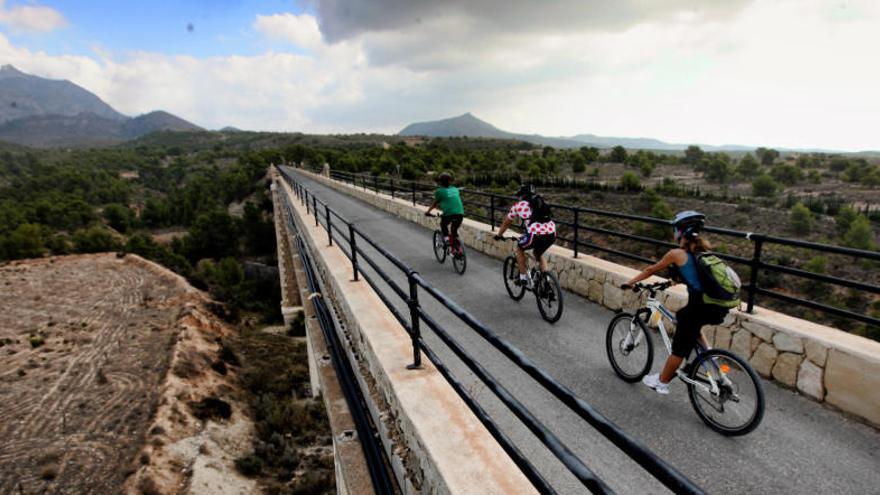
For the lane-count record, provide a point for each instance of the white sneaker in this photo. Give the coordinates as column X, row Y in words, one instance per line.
column 654, row 382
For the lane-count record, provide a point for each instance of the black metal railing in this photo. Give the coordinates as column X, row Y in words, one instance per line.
column 577, row 235
column 350, row 240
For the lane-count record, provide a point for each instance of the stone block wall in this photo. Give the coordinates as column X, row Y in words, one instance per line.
column 820, row 362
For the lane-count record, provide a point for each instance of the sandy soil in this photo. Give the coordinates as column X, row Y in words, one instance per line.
column 76, row 409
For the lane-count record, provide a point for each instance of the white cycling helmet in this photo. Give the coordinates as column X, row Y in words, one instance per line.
column 688, row 224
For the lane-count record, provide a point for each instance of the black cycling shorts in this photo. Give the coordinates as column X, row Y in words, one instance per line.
column 690, row 320
column 539, row 244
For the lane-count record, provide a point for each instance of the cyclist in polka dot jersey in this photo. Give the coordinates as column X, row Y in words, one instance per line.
column 540, row 230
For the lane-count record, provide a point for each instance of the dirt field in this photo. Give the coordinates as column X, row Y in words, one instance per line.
column 86, row 345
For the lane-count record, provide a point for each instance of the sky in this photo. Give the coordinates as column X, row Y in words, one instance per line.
column 784, row 73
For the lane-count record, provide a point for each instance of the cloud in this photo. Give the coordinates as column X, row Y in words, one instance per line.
column 301, row 30
column 31, row 18
column 341, row 19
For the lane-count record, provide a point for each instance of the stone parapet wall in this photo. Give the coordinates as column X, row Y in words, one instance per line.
column 820, row 362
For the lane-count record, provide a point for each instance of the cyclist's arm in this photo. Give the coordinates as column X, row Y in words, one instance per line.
column 433, row 205
column 670, row 258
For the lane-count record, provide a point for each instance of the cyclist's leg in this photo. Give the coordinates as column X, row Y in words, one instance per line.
column 687, row 331
column 456, row 223
column 542, row 244
column 525, row 242
column 444, row 225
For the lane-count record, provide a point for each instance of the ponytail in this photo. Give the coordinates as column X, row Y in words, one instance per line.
column 697, row 245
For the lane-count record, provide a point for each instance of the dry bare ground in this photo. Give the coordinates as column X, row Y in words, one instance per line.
column 103, row 360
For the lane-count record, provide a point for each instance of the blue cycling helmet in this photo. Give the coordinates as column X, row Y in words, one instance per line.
column 688, row 224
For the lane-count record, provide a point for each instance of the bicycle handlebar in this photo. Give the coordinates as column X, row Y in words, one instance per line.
column 657, row 286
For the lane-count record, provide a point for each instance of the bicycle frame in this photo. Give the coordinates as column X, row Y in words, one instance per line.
column 655, row 309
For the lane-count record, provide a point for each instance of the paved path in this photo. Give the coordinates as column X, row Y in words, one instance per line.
column 801, row 446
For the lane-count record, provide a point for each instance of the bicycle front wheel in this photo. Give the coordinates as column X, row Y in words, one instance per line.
column 511, row 274
column 439, row 246
column 629, row 347
column 459, row 260
column 737, row 407
column 549, row 297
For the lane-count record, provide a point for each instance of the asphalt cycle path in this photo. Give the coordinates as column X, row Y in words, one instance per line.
column 800, row 447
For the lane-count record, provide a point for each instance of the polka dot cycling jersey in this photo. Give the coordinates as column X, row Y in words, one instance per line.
column 524, row 211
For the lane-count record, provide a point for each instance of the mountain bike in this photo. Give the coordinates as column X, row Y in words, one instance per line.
column 544, row 285
column 442, row 249
column 724, row 390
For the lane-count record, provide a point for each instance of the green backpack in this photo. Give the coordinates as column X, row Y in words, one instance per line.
column 721, row 285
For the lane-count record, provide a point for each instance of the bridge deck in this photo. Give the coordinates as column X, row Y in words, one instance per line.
column 801, row 446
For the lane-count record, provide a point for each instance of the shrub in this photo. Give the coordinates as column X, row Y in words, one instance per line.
column 94, row 240
column 630, row 182
column 297, row 326
column 859, row 235
column 844, row 219
column 764, row 186
column 249, row 465
column 801, row 219
column 36, row 341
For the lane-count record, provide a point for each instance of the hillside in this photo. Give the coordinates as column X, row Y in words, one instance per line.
column 40, row 112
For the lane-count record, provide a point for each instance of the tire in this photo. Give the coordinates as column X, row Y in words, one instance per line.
column 510, row 273
column 632, row 362
column 548, row 294
column 741, row 401
column 439, row 246
column 459, row 261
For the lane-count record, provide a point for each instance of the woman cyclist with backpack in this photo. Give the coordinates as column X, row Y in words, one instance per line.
column 540, row 230
column 448, row 198
column 686, row 228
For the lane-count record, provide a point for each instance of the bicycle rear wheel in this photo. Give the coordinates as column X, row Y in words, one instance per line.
column 459, row 260
column 738, row 407
column 439, row 246
column 511, row 274
column 549, row 297
column 629, row 347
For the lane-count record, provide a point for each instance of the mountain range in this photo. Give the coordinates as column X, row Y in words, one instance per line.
column 470, row 126
column 40, row 112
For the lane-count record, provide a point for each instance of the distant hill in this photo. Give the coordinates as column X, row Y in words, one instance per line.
column 40, row 112
column 470, row 126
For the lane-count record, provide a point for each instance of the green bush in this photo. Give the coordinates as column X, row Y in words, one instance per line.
column 860, row 235
column 249, row 465
column 630, row 182
column 801, row 219
column 36, row 341
column 94, row 240
column 764, row 186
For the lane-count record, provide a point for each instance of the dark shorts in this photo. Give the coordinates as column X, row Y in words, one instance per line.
column 453, row 221
column 537, row 243
column 690, row 320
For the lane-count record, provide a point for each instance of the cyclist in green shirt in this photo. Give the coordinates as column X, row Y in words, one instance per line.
column 448, row 198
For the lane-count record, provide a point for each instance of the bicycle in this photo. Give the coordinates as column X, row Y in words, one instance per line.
column 545, row 286
column 442, row 249
column 720, row 383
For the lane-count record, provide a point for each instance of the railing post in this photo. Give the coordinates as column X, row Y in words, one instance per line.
column 414, row 321
column 376, row 183
column 576, row 228
column 352, row 248
column 753, row 278
column 414, row 192
column 307, row 202
column 392, row 188
column 315, row 210
column 329, row 225
column 492, row 212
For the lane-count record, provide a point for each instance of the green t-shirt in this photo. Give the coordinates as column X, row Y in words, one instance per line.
column 449, row 200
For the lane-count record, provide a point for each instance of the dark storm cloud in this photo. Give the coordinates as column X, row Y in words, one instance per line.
column 341, row 19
